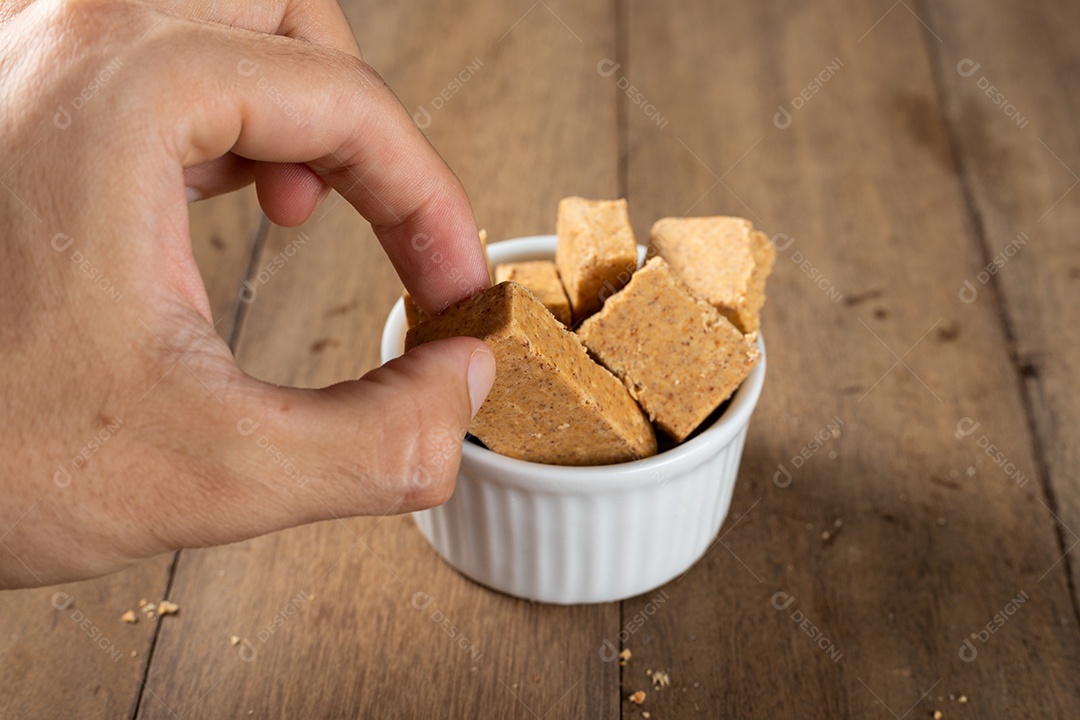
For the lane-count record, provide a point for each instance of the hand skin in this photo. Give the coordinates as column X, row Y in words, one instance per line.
column 128, row 430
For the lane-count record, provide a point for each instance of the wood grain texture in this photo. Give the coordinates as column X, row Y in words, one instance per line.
column 78, row 660
column 370, row 622
column 1002, row 71
column 860, row 186
column 64, row 649
column 224, row 231
column 886, row 185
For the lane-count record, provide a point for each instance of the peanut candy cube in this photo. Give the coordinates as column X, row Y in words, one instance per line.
column 721, row 259
column 542, row 280
column 596, row 254
column 676, row 354
column 550, row 402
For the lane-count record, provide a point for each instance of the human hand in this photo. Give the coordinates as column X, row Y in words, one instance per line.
column 128, row 427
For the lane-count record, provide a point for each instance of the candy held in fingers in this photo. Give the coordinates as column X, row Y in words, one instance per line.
column 414, row 314
column 550, row 403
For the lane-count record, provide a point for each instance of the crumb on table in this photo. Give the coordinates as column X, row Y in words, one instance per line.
column 660, row 679
column 167, row 608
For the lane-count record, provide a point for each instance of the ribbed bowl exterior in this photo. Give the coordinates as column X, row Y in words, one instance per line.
column 585, row 547
column 572, row 535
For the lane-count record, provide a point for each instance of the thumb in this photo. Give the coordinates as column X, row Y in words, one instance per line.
column 387, row 443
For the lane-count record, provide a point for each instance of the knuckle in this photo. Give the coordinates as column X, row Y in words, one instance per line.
column 436, row 493
column 363, row 75
column 361, row 95
column 434, row 435
column 83, row 42
column 436, row 470
column 94, row 22
column 427, row 450
column 365, row 98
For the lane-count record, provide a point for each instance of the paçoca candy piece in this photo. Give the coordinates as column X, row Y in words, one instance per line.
column 596, row 253
column 676, row 354
column 414, row 314
column 721, row 259
column 542, row 280
column 551, row 403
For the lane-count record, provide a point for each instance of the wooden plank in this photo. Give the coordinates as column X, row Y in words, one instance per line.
column 1013, row 128
column 65, row 647
column 369, row 621
column 779, row 620
column 223, row 233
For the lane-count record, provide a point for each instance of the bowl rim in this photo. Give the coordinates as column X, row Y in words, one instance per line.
column 648, row 471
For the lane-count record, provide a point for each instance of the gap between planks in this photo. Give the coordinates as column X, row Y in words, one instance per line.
column 982, row 246
column 622, row 178
column 262, row 232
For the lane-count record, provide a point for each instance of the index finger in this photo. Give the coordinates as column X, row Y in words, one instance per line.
column 275, row 99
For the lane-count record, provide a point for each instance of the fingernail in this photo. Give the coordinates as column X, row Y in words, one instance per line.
column 193, row 195
column 481, row 377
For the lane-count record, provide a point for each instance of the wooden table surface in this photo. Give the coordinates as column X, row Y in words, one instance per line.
column 901, row 530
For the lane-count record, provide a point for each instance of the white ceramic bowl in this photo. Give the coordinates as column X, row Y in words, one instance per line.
column 585, row 534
